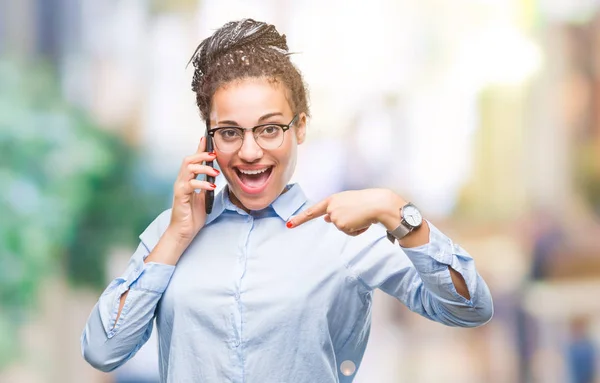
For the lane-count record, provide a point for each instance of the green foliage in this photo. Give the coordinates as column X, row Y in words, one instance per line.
column 69, row 192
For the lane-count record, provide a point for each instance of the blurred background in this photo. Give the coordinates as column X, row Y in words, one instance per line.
column 485, row 113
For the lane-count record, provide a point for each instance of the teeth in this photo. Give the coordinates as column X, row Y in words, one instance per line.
column 253, row 171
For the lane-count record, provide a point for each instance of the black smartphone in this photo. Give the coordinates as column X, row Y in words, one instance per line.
column 209, row 196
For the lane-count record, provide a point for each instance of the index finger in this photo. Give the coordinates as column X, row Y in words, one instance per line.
column 312, row 212
column 201, row 145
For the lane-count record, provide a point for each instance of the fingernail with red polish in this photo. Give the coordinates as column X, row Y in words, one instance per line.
column 218, row 172
column 289, row 224
column 213, row 186
column 213, row 153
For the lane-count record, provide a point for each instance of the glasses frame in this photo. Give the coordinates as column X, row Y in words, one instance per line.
column 284, row 127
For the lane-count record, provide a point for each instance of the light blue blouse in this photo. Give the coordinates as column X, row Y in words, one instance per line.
column 253, row 301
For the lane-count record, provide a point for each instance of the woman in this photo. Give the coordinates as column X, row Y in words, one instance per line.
column 262, row 289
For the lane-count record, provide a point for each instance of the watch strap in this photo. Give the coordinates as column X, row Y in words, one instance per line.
column 403, row 229
column 398, row 233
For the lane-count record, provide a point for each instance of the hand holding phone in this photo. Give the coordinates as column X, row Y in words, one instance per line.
column 189, row 211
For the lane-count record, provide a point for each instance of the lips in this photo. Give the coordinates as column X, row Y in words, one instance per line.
column 253, row 180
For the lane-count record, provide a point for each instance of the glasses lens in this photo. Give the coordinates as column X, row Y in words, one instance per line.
column 228, row 140
column 269, row 136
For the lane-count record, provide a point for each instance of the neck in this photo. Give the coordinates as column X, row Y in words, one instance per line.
column 234, row 199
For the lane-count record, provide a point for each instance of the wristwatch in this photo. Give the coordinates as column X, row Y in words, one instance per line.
column 410, row 219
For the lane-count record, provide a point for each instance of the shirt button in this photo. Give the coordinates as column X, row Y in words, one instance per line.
column 237, row 296
column 347, row 367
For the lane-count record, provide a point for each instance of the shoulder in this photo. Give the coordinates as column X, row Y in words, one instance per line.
column 156, row 229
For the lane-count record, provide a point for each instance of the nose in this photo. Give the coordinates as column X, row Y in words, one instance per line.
column 250, row 150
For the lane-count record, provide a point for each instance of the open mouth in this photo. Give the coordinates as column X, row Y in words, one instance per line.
column 254, row 181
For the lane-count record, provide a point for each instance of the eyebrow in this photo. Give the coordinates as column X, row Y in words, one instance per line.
column 261, row 119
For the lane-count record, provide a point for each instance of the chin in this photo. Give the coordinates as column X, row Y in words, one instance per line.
column 253, row 204
column 257, row 202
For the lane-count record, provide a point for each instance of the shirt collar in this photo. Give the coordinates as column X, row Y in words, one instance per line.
column 284, row 206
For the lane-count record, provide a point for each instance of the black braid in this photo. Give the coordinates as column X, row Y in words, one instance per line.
column 241, row 49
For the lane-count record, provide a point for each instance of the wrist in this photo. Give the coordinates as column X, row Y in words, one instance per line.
column 388, row 213
column 418, row 237
column 169, row 248
column 175, row 241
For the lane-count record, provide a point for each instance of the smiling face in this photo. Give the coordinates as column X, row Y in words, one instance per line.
column 256, row 177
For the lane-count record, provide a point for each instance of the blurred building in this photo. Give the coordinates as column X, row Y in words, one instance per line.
column 488, row 112
column 535, row 185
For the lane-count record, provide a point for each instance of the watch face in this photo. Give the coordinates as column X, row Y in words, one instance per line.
column 412, row 215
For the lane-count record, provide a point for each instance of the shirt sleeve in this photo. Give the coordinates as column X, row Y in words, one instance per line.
column 419, row 277
column 108, row 342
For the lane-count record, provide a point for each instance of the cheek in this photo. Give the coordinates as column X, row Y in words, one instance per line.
column 288, row 157
column 223, row 162
column 223, row 159
column 289, row 149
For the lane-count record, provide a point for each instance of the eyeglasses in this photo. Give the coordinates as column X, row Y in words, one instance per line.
column 229, row 139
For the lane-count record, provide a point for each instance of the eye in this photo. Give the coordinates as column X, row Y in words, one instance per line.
column 269, row 130
column 229, row 133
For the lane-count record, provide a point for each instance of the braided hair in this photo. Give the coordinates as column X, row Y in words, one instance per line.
column 245, row 49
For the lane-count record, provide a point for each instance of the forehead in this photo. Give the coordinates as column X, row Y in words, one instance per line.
column 245, row 101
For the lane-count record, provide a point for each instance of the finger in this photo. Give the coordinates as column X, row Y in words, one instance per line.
column 201, row 145
column 198, row 158
column 358, row 232
column 187, row 187
column 196, row 169
column 185, row 173
column 312, row 212
column 327, row 218
column 201, row 185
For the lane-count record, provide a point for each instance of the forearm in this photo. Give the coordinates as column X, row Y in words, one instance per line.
column 459, row 283
column 122, row 319
column 453, row 291
column 168, row 250
column 107, row 347
column 390, row 218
